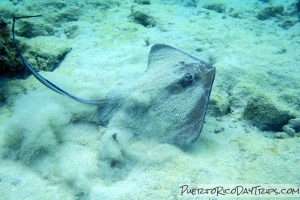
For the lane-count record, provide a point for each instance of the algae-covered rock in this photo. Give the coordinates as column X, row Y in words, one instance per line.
column 140, row 16
column 291, row 99
column 68, row 15
column 266, row 114
column 218, row 7
column 103, row 5
column 281, row 135
column 70, row 30
column 33, row 27
column 293, row 128
column 219, row 103
column 270, row 11
column 45, row 53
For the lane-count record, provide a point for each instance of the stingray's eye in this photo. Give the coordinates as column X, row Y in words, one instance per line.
column 187, row 80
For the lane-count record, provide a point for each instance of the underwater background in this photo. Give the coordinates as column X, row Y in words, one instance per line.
column 51, row 147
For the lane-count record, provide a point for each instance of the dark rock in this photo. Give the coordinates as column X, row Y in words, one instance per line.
column 270, row 11
column 219, row 130
column 265, row 1
column 189, row 3
column 142, row 2
column 266, row 114
column 141, row 17
column 286, row 24
column 9, row 64
column 235, row 15
column 218, row 7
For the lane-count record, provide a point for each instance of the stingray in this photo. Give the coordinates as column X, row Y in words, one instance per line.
column 167, row 103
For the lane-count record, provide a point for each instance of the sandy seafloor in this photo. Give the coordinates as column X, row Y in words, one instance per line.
column 51, row 145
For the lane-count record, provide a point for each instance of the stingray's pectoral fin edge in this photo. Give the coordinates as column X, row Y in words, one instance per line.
column 44, row 81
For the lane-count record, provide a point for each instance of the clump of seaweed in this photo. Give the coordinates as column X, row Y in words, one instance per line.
column 9, row 64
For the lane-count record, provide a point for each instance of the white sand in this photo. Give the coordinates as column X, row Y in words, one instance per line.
column 50, row 146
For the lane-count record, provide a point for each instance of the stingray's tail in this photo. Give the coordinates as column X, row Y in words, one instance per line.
column 42, row 79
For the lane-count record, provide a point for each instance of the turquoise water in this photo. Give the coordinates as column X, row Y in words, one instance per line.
column 53, row 147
